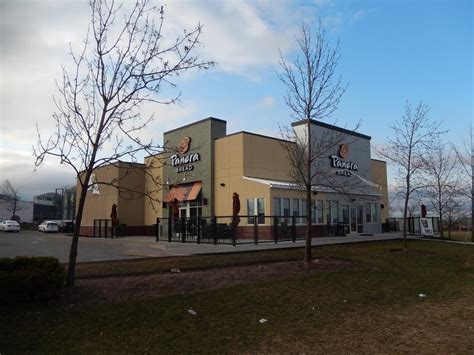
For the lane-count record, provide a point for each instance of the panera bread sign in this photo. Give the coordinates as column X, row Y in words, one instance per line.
column 345, row 167
column 182, row 161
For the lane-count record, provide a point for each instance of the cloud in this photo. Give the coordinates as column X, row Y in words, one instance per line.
column 266, row 102
column 242, row 36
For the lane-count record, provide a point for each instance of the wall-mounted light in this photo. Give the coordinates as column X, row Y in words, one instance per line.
column 353, row 200
column 222, row 184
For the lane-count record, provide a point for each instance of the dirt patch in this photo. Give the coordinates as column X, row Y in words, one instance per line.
column 173, row 282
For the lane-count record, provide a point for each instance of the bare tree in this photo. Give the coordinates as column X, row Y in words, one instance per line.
column 412, row 135
column 465, row 155
column 12, row 195
column 125, row 62
column 313, row 91
column 442, row 178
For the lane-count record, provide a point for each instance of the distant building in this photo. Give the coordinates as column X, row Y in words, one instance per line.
column 68, row 203
column 47, row 206
column 24, row 209
column 55, row 205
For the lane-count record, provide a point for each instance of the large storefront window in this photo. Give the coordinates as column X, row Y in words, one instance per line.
column 295, row 209
column 256, row 207
column 286, row 209
column 317, row 212
column 332, row 215
column 371, row 213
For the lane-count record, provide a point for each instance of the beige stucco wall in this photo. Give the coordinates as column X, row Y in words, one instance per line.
column 379, row 176
column 130, row 201
column 265, row 157
column 154, row 186
column 99, row 206
column 250, row 155
column 229, row 171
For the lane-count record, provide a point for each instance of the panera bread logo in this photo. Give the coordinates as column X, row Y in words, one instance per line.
column 184, row 145
column 345, row 167
column 183, row 162
column 343, row 151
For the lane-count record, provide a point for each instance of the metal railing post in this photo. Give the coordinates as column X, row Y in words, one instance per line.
column 157, row 229
column 170, row 226
column 199, row 221
column 255, row 231
column 183, row 230
column 275, row 229
column 214, row 229
column 293, row 228
column 100, row 228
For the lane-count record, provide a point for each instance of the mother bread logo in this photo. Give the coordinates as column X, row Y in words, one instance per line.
column 184, row 145
column 343, row 151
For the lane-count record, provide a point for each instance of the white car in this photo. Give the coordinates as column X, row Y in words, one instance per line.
column 10, row 226
column 48, row 226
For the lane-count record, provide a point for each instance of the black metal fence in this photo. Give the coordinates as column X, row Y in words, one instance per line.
column 413, row 225
column 241, row 229
column 103, row 228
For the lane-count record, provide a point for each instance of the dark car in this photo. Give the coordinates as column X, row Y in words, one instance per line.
column 66, row 227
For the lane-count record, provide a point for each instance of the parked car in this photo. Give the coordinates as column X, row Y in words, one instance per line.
column 10, row 226
column 66, row 227
column 48, row 226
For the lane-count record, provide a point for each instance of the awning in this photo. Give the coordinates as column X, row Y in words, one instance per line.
column 184, row 192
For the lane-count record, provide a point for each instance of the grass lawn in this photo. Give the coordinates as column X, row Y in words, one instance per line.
column 362, row 298
column 463, row 236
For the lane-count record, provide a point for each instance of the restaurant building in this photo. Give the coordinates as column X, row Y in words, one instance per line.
column 203, row 170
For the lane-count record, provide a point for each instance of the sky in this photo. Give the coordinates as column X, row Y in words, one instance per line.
column 391, row 52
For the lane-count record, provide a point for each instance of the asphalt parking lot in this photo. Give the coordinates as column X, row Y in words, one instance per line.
column 33, row 243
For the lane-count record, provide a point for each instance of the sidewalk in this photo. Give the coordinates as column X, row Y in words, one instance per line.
column 148, row 247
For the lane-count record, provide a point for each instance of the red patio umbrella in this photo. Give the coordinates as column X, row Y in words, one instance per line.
column 235, row 209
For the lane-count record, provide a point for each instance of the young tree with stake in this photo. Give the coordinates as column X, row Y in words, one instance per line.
column 313, row 92
column 413, row 134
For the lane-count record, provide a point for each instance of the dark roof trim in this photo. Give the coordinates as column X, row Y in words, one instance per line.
column 330, row 126
column 257, row 135
column 197, row 122
column 381, row 161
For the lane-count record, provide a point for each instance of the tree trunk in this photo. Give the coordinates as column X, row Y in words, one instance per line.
column 307, row 254
column 71, row 270
column 405, row 212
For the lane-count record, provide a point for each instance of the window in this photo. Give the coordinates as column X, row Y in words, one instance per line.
column 303, row 211
column 286, row 209
column 371, row 213
column 256, row 207
column 261, row 210
column 276, row 206
column 332, row 215
column 334, row 212
column 345, row 214
column 250, row 210
column 295, row 209
column 317, row 212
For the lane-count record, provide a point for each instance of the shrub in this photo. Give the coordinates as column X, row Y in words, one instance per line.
column 30, row 278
